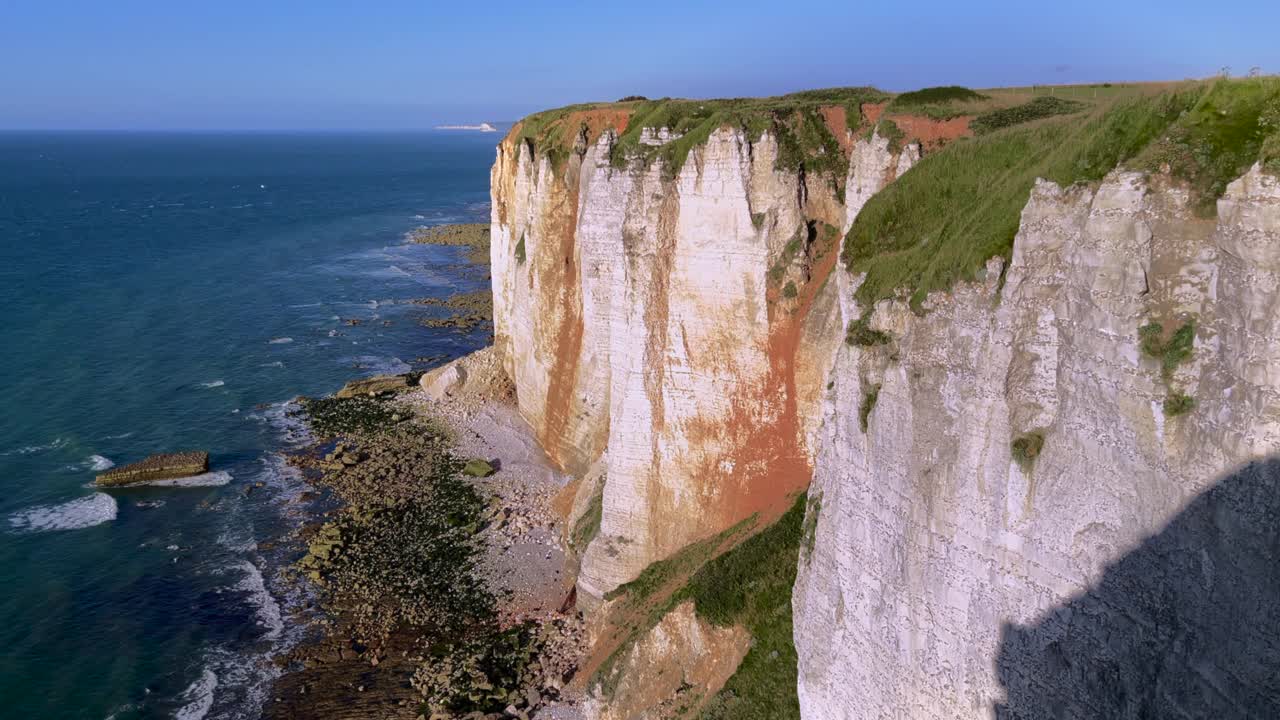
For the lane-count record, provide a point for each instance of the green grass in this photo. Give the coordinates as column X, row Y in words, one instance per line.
column 804, row 140
column 1036, row 109
column 1178, row 403
column 1172, row 352
column 588, row 524
column 958, row 207
column 1026, row 449
column 939, row 103
column 860, row 333
column 549, row 133
column 890, row 131
column 520, row 251
column 790, row 291
column 1224, row 134
column 869, row 399
column 749, row 586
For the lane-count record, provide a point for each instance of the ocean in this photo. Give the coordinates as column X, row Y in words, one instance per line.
column 172, row 291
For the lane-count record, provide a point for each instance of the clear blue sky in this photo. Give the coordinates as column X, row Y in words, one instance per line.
column 404, row 64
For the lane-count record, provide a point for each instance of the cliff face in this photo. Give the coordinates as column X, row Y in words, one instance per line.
column 1040, row 492
column 1129, row 567
column 678, row 327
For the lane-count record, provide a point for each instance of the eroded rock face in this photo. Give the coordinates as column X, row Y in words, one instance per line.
column 650, row 316
column 671, row 670
column 1129, row 570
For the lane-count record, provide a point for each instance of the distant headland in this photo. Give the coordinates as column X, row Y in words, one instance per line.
column 482, row 127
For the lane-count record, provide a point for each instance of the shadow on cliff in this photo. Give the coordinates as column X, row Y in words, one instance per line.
column 1187, row 625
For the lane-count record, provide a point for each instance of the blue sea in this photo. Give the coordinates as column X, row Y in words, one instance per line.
column 175, row 291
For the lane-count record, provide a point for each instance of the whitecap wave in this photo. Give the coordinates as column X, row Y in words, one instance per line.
column 279, row 341
column 198, row 697
column 377, row 365
column 77, row 514
column 209, row 479
column 265, row 607
column 276, row 364
column 98, row 462
column 213, row 384
column 30, row 449
column 118, row 437
column 287, row 421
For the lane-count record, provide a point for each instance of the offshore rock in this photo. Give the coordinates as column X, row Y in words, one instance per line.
column 156, row 467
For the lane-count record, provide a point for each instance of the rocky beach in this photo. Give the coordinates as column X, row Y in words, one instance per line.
column 436, row 564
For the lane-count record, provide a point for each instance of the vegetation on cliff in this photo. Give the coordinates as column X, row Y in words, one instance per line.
column 958, row 207
column 939, row 103
column 804, row 135
column 748, row 585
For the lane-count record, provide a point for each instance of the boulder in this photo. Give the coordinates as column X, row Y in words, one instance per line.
column 375, row 385
column 444, row 381
column 478, row 468
column 157, row 467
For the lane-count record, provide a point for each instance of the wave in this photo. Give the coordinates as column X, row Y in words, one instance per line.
column 217, row 478
column 306, row 305
column 266, row 609
column 73, row 515
column 198, row 697
column 30, row 449
column 118, row 437
column 279, row 341
column 276, row 364
column 213, row 384
column 97, row 463
column 377, row 365
column 288, row 423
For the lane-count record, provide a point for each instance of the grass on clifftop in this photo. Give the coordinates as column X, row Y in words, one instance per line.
column 795, row 120
column 939, row 103
column 958, row 207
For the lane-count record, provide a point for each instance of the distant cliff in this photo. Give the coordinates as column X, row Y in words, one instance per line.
column 1008, row 339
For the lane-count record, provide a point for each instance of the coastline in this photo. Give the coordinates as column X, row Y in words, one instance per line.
column 435, row 594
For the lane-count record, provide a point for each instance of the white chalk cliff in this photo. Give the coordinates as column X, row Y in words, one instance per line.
column 648, row 326
column 946, row 580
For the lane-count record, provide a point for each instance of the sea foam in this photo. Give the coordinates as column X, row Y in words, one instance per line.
column 80, row 513
column 96, row 463
column 29, row 449
column 265, row 607
column 198, row 697
column 209, row 479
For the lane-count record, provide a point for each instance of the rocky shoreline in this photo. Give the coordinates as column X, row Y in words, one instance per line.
column 437, row 565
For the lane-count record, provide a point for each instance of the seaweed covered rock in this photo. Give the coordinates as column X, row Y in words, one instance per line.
column 166, row 466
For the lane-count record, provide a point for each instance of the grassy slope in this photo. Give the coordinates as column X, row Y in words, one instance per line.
column 958, row 207
column 748, row 585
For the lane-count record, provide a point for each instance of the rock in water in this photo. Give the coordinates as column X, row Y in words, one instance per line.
column 373, row 385
column 477, row 468
column 165, row 466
